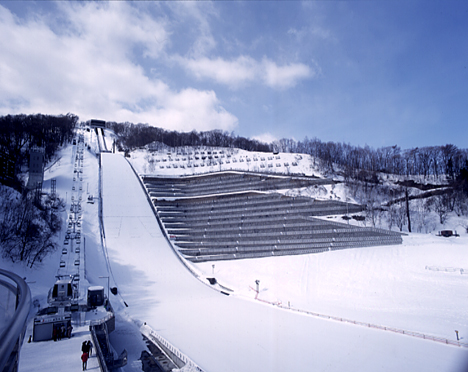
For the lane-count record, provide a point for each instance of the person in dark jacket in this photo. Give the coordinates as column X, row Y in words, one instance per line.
column 85, row 347
column 69, row 329
column 62, row 331
column 90, row 347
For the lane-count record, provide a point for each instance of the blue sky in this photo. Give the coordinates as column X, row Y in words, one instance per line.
column 362, row 72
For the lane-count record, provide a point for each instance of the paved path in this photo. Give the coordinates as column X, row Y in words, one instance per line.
column 56, row 356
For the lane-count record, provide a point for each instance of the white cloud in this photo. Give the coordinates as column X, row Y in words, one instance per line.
column 195, row 109
column 116, row 28
column 92, row 69
column 284, row 76
column 244, row 69
column 233, row 73
column 236, row 72
column 265, row 138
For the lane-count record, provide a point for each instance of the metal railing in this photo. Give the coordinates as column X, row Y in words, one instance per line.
column 13, row 334
column 173, row 353
column 99, row 354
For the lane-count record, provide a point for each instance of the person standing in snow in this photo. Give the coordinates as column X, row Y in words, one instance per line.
column 90, row 347
column 69, row 329
column 54, row 333
column 62, row 331
column 84, row 358
column 85, row 355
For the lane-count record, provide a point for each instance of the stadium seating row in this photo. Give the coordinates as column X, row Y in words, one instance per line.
column 225, row 182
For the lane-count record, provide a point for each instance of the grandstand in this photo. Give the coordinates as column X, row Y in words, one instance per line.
column 233, row 215
column 225, row 182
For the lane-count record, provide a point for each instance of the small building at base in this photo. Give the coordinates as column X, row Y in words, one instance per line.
column 50, row 327
column 95, row 296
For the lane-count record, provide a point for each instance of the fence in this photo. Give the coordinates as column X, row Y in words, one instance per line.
column 448, row 269
column 101, row 359
column 368, row 325
column 179, row 358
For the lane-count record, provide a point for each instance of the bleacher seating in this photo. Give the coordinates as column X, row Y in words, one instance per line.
column 225, row 182
column 233, row 215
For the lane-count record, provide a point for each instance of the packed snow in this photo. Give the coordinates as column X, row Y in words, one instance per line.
column 419, row 286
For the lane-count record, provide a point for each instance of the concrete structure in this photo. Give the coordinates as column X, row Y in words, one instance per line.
column 36, row 168
column 97, row 123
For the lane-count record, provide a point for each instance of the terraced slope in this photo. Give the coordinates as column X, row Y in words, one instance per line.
column 231, row 216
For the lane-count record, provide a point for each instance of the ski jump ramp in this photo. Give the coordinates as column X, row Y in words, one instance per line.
column 231, row 333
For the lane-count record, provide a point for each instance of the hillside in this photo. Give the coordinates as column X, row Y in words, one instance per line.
column 417, row 287
column 430, row 200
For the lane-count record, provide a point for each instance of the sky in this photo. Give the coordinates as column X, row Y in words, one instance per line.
column 377, row 73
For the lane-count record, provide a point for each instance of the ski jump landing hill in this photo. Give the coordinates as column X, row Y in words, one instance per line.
column 232, row 333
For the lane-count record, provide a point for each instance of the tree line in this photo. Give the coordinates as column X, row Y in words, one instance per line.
column 18, row 133
column 134, row 136
column 429, row 162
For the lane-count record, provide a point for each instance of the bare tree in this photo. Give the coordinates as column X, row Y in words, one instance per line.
column 440, row 207
column 28, row 227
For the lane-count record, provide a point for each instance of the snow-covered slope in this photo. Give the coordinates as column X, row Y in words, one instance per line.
column 396, row 286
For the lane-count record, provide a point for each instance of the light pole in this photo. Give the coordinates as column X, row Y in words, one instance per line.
column 106, row 277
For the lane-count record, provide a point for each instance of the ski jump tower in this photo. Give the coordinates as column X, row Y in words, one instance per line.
column 36, row 168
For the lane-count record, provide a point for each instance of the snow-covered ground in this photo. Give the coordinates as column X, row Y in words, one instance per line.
column 395, row 286
column 236, row 333
column 417, row 286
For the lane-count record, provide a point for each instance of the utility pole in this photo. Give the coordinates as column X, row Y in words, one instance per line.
column 407, row 209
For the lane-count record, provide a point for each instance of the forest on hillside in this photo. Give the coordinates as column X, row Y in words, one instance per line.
column 29, row 221
column 355, row 162
column 446, row 164
column 19, row 133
